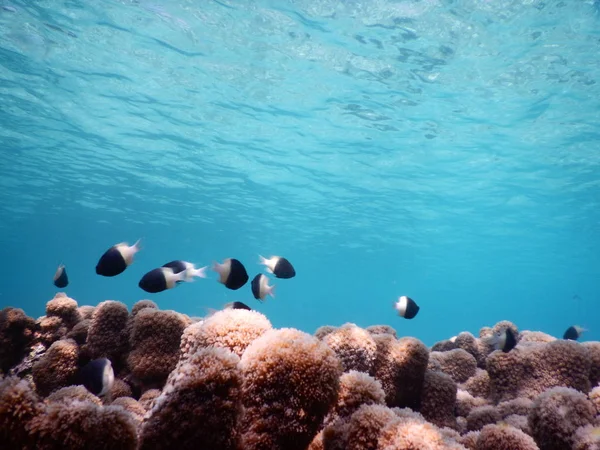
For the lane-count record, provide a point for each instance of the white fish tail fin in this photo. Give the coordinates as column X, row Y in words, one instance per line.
column 262, row 260
column 200, row 273
column 137, row 246
column 216, row 266
column 272, row 291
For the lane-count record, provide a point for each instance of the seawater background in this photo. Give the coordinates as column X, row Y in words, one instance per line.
column 446, row 150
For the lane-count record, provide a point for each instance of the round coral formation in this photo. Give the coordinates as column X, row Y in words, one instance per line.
column 594, row 396
column 233, row 329
column 365, row 424
column 70, row 393
column 147, row 398
column 439, row 399
column 57, row 368
column 199, row 406
column 457, row 363
column 155, row 339
column 291, row 380
column 504, row 437
column 107, row 335
column 593, row 349
column 50, row 329
column 356, row 389
column 324, row 331
column 400, row 366
column 479, row 384
column 79, row 332
column 481, row 416
column 65, row 308
column 16, row 336
column 354, row 347
column 142, row 304
column 381, row 329
column 19, row 405
column 556, row 415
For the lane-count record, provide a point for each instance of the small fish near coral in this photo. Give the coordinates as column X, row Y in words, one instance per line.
column 406, row 307
column 261, row 288
column 191, row 271
column 116, row 259
column 232, row 273
column 61, row 280
column 278, row 266
column 161, row 279
column 574, row 332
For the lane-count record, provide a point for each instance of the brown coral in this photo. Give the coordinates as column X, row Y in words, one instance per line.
column 535, row 336
column 521, row 406
column 504, row 437
column 50, row 329
column 147, row 398
column 365, row 425
column 79, row 332
column 132, row 406
column 119, row 389
column 81, row 425
column 457, row 363
column 70, row 393
column 324, row 331
column 107, row 336
column 65, row 308
column 233, row 329
column 479, row 384
column 16, row 336
column 557, row 414
column 356, row 389
column 400, row 366
column 19, row 405
column 594, row 396
column 481, row 416
column 199, row 406
column 439, row 399
column 291, row 380
column 593, row 349
column 381, row 329
column 155, row 338
column 465, row 402
column 354, row 347
column 86, row 311
column 587, row 438
column 142, row 304
column 57, row 368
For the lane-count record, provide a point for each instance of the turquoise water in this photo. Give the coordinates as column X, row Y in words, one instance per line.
column 445, row 150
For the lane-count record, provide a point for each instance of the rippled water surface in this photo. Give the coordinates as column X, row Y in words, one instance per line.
column 446, row 150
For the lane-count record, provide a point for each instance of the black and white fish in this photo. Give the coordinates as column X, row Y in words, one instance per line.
column 61, row 280
column 406, row 307
column 161, row 279
column 278, row 266
column 237, row 305
column 190, row 269
column 260, row 287
column 232, row 273
column 574, row 332
column 504, row 340
column 97, row 376
column 117, row 258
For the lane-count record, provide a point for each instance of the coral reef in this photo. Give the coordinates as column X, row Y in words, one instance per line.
column 231, row 381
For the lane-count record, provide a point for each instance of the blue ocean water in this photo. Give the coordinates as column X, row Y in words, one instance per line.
column 448, row 150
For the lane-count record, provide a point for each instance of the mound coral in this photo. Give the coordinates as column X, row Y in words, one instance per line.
column 587, row 438
column 199, row 406
column 465, row 402
column 65, row 308
column 70, row 393
column 79, row 332
column 291, row 380
column 233, row 329
column 107, row 337
column 518, row 421
column 147, row 398
column 354, row 347
column 531, row 370
column 381, row 329
column 594, row 396
column 86, row 311
column 479, row 384
column 535, row 336
column 400, row 366
column 154, row 340
column 365, row 425
column 557, row 414
column 593, row 349
column 19, row 405
column 120, row 389
column 16, row 336
column 481, row 416
column 82, row 425
column 439, row 399
column 457, row 363
column 142, row 304
column 413, row 432
column 50, row 330
column 132, row 406
column 474, row 346
column 57, row 368
column 504, row 437
column 469, row 440
column 324, row 331
column 520, row 406
column 356, row 389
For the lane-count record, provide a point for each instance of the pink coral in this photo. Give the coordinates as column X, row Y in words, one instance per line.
column 518, row 421
column 50, row 329
column 291, row 380
column 19, row 405
column 481, row 416
column 324, row 331
column 365, row 424
column 479, row 384
column 528, row 371
column 199, row 406
column 354, row 347
column 233, row 329
column 413, row 432
column 155, row 338
column 594, row 396
column 65, row 308
column 520, row 405
column 57, row 368
column 439, row 399
column 381, row 329
column 474, row 346
column 587, row 438
column 557, row 414
column 400, row 366
column 81, row 425
column 107, row 337
column 356, row 389
column 504, row 437
column 465, row 402
column 16, row 336
column 457, row 363
column 70, row 393
column 469, row 440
